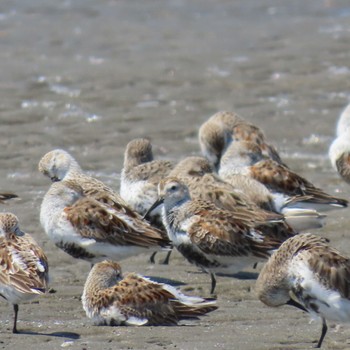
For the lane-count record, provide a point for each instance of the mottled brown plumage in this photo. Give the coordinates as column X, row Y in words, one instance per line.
column 111, row 299
column 308, row 273
column 93, row 220
column 215, row 239
column 87, row 228
column 244, row 131
column 246, row 159
column 197, row 174
column 23, row 264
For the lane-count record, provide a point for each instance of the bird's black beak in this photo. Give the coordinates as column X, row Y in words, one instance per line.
column 155, row 205
column 292, row 302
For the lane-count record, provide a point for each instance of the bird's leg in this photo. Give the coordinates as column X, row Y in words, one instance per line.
column 166, row 260
column 151, row 258
column 323, row 334
column 213, row 282
column 14, row 330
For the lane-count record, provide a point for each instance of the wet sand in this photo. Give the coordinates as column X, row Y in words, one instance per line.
column 91, row 76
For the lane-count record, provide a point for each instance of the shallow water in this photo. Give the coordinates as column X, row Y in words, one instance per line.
column 90, row 76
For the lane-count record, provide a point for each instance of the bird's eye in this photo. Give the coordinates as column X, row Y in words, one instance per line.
column 173, row 188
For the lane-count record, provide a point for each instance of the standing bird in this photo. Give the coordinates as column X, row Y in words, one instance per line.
column 212, row 238
column 89, row 229
column 245, row 158
column 307, row 273
column 139, row 181
column 112, row 299
column 128, row 225
column 23, row 265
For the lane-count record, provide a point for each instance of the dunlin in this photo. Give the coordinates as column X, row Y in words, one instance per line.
column 212, row 238
column 339, row 154
column 112, row 299
column 245, row 158
column 223, row 128
column 139, row 180
column 307, row 273
column 23, row 265
column 244, row 194
column 86, row 228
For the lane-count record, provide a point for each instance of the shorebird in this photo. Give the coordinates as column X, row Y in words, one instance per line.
column 307, row 273
column 87, row 228
column 339, row 154
column 212, row 238
column 139, row 181
column 245, row 158
column 235, row 191
column 23, row 265
column 223, row 128
column 112, row 299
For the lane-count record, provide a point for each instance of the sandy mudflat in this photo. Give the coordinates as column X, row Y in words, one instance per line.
column 90, row 76
column 241, row 322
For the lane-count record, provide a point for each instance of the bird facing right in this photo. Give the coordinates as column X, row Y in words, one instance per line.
column 306, row 272
column 90, row 230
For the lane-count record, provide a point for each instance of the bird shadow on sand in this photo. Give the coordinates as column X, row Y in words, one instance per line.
column 69, row 335
column 243, row 275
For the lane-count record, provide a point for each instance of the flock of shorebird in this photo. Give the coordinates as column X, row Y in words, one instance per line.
column 238, row 205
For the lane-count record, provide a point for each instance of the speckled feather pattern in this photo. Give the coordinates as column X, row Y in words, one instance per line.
column 244, row 158
column 23, row 264
column 79, row 209
column 215, row 236
column 109, row 298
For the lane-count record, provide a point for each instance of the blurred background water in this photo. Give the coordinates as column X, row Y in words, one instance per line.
column 89, row 76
